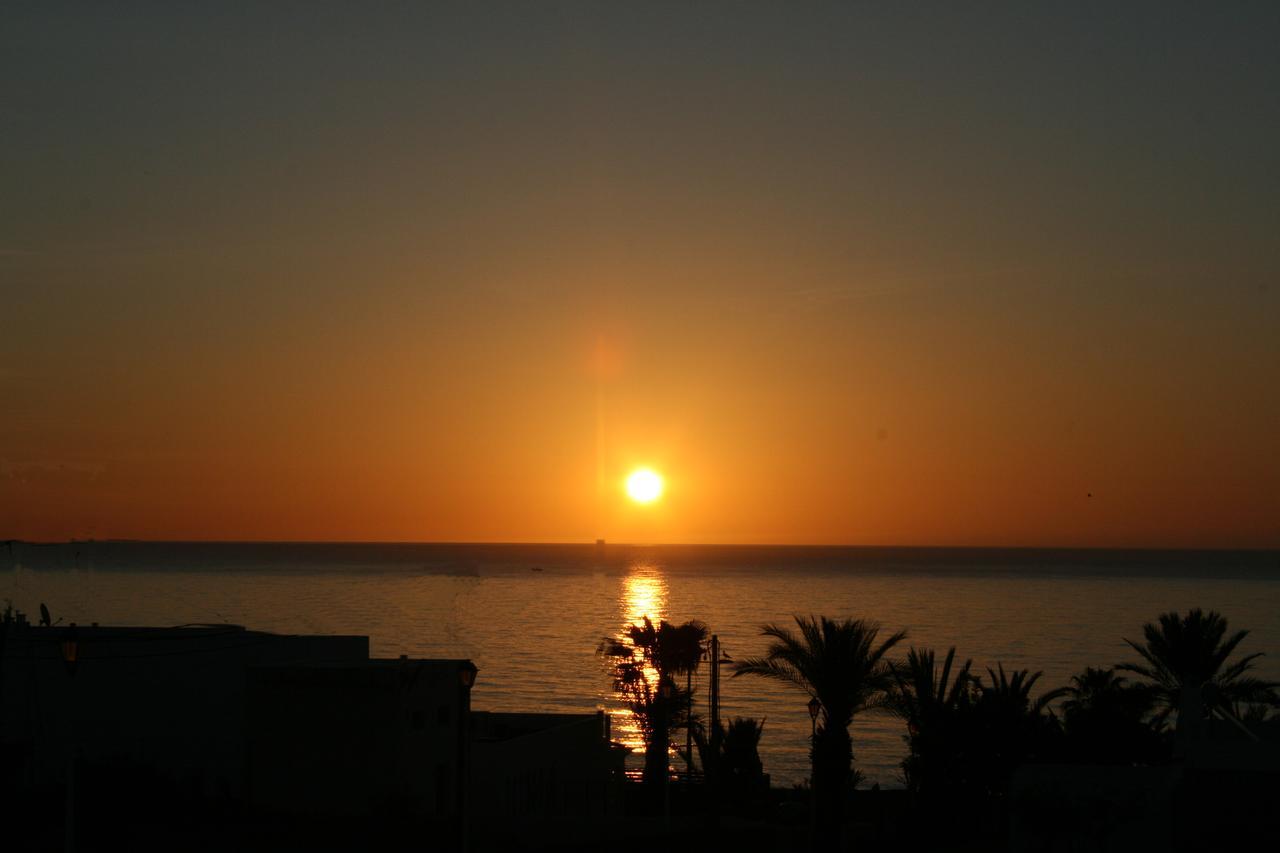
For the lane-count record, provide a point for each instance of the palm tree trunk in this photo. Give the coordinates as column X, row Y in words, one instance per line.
column 833, row 755
column 656, row 751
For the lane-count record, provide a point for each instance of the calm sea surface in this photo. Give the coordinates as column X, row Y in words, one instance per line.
column 531, row 617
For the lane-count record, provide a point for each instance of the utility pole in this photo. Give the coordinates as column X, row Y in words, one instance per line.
column 688, row 726
column 715, row 684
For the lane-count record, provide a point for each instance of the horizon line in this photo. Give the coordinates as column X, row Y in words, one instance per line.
column 605, row 543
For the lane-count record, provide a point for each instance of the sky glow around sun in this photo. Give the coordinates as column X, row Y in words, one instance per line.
column 833, row 319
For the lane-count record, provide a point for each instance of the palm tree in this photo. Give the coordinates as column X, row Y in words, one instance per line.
column 1012, row 691
column 1254, row 713
column 740, row 754
column 932, row 703
column 731, row 763
column 921, row 691
column 646, row 661
column 1105, row 719
column 841, row 665
column 1094, row 692
column 1011, row 727
column 1189, row 653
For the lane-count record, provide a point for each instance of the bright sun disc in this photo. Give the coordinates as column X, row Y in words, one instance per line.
column 644, row 485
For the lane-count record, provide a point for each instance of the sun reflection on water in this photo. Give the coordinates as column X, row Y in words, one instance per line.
column 644, row 593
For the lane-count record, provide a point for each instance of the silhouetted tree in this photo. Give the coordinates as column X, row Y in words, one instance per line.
column 646, row 661
column 842, row 665
column 1253, row 713
column 731, row 762
column 1012, row 691
column 1011, row 728
column 1191, row 653
column 1105, row 691
column 740, row 757
column 1106, row 720
column 936, row 704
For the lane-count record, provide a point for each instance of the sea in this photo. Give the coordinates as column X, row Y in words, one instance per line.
column 532, row 617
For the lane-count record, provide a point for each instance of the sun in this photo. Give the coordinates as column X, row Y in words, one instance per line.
column 644, row 485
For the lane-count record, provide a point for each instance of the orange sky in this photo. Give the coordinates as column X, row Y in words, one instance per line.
column 841, row 279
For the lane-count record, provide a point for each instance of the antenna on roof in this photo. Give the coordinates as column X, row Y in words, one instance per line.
column 45, row 619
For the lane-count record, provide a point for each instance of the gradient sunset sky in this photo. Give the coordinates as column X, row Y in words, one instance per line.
column 844, row 273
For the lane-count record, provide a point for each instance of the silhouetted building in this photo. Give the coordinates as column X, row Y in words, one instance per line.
column 549, row 765
column 172, row 700
column 289, row 725
column 359, row 738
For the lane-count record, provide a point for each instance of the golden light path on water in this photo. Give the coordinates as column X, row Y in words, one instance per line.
column 644, row 593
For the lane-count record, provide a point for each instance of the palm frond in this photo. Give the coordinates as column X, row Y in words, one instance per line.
column 1193, row 651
